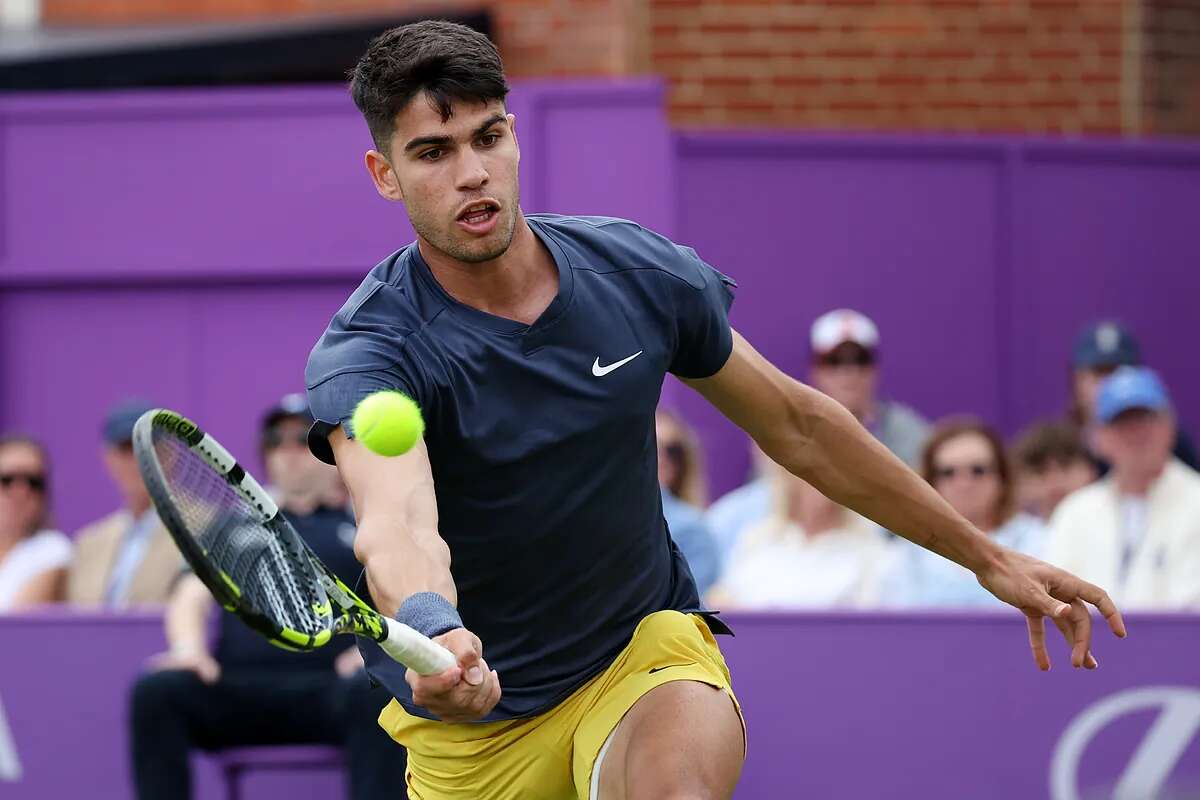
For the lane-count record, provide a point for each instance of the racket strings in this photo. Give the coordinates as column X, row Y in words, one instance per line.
column 271, row 574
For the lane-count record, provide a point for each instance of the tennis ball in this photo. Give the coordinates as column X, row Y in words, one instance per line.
column 388, row 423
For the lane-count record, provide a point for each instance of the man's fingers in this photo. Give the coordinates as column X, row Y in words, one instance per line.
column 1037, row 641
column 1108, row 609
column 1081, row 633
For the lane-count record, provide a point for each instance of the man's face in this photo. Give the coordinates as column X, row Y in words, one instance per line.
column 122, row 467
column 288, row 462
column 1044, row 488
column 847, row 374
column 1137, row 442
column 457, row 179
column 1087, row 382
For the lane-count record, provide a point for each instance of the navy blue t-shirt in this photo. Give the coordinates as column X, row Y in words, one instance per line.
column 330, row 534
column 541, row 440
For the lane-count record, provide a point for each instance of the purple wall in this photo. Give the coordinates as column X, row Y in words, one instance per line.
column 838, row 706
column 979, row 258
column 190, row 247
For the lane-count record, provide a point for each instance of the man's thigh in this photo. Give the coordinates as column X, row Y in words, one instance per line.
column 681, row 739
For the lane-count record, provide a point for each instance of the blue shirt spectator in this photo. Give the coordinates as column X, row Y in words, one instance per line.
column 693, row 538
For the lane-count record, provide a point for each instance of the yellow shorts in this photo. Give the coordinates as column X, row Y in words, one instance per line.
column 550, row 756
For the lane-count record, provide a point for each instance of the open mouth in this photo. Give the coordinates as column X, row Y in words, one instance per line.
column 479, row 217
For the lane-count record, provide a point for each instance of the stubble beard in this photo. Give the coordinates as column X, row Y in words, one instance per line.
column 469, row 250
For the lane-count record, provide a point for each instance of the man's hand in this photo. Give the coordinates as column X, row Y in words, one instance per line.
column 463, row 693
column 348, row 662
column 197, row 661
column 1041, row 590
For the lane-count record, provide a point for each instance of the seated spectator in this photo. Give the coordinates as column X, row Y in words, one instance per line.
column 1137, row 531
column 845, row 357
column 1101, row 348
column 845, row 366
column 809, row 553
column 33, row 557
column 126, row 558
column 965, row 461
column 246, row 691
column 684, row 491
column 746, row 505
column 1051, row 462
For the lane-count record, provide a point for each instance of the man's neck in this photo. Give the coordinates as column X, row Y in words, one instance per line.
column 138, row 508
column 517, row 285
column 300, row 503
column 1135, row 484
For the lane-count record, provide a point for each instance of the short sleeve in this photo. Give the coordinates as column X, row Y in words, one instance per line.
column 360, row 353
column 704, row 338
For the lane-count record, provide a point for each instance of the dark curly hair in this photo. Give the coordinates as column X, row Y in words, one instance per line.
column 445, row 60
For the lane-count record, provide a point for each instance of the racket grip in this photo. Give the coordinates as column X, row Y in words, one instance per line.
column 415, row 651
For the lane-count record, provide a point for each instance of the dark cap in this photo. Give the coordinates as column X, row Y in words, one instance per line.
column 1106, row 344
column 118, row 422
column 290, row 405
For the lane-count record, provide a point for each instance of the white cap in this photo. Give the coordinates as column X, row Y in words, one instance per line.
column 841, row 326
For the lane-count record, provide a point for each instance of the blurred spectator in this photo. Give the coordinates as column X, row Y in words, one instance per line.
column 965, row 461
column 1137, row 531
column 126, row 558
column 1101, row 348
column 845, row 352
column 684, row 490
column 246, row 691
column 33, row 557
column 809, row 553
column 1051, row 462
column 746, row 505
column 845, row 357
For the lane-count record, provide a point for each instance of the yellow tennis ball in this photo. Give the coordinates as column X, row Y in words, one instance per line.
column 388, row 423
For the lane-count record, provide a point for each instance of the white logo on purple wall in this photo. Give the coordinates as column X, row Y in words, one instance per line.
column 10, row 765
column 1147, row 771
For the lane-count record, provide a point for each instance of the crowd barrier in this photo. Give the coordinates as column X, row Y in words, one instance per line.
column 846, row 705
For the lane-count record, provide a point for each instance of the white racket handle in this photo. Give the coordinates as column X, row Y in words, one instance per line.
column 414, row 650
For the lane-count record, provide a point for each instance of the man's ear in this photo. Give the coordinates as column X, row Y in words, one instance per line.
column 512, row 129
column 383, row 176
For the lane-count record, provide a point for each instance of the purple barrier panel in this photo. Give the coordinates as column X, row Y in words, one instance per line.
column 838, row 706
column 1107, row 230
column 64, row 688
column 951, row 706
column 905, row 230
column 219, row 354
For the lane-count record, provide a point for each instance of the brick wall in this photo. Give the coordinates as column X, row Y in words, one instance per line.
column 1063, row 66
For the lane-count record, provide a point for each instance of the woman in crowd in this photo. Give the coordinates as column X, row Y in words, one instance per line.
column 684, row 495
column 965, row 461
column 809, row 553
column 33, row 558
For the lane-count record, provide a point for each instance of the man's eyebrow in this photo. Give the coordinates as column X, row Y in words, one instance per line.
column 423, row 141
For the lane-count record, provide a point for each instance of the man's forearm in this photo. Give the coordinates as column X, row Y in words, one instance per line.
column 401, row 563
column 826, row 446
column 186, row 617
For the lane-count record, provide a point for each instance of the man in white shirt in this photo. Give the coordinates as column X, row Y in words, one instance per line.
column 1138, row 530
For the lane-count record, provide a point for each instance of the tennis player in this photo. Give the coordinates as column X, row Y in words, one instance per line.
column 526, row 533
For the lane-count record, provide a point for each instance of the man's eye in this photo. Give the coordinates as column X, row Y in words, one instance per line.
column 489, row 139
column 433, row 155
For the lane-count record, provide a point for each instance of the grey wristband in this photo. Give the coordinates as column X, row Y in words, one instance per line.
column 429, row 613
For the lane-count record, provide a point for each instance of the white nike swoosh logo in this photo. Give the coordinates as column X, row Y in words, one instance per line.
column 600, row 371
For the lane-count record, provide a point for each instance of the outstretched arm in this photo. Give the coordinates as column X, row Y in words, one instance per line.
column 405, row 556
column 816, row 439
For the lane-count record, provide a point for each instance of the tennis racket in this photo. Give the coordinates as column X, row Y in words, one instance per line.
column 249, row 556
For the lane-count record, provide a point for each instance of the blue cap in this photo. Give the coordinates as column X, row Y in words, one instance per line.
column 118, row 422
column 1129, row 388
column 1106, row 344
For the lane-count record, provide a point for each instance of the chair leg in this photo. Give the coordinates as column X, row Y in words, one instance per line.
column 233, row 783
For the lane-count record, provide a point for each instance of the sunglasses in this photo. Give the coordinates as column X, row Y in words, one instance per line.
column 673, row 451
column 274, row 439
column 36, row 483
column 974, row 470
column 858, row 359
